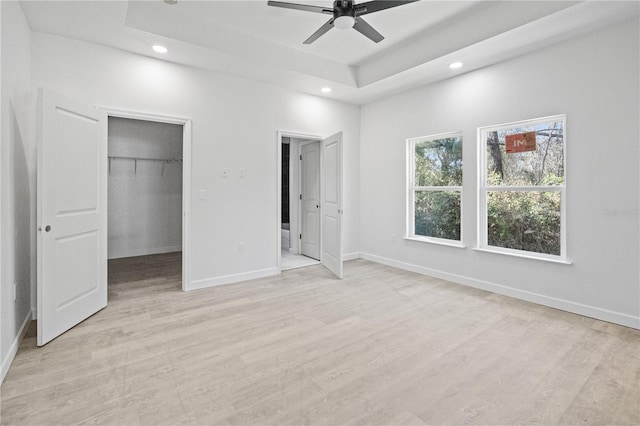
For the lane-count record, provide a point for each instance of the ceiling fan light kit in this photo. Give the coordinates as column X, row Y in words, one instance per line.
column 344, row 22
column 345, row 14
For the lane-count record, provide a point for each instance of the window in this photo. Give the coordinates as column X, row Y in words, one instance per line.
column 522, row 188
column 435, row 188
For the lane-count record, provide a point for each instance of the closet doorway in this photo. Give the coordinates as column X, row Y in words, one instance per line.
column 145, row 205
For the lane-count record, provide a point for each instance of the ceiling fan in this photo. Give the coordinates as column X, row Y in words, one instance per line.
column 346, row 14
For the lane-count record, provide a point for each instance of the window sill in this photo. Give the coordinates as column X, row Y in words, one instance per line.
column 524, row 255
column 436, row 241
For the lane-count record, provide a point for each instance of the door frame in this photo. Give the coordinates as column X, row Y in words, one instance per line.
column 186, row 176
column 296, row 135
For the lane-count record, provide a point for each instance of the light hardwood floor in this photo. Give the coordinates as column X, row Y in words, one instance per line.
column 381, row 347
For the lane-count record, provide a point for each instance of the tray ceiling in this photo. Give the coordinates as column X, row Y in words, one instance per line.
column 252, row 40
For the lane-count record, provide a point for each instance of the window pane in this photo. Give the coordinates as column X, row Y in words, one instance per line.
column 527, row 221
column 439, row 162
column 437, row 214
column 542, row 166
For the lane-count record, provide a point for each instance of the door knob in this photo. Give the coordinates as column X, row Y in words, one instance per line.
column 47, row 228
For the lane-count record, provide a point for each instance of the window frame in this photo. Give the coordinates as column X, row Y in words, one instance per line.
column 484, row 190
column 411, row 190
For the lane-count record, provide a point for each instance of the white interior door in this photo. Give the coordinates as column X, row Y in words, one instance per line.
column 310, row 194
column 331, row 203
column 72, row 220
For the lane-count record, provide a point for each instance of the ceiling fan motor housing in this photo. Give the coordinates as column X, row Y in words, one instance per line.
column 343, row 8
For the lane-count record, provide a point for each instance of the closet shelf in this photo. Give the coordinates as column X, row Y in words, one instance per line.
column 136, row 159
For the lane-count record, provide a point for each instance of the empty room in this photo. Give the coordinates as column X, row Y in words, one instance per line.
column 319, row 212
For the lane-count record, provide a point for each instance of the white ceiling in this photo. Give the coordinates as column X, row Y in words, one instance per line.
column 252, row 40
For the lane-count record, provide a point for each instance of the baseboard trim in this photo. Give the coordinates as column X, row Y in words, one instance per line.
column 230, row 279
column 13, row 349
column 145, row 252
column 552, row 302
column 350, row 256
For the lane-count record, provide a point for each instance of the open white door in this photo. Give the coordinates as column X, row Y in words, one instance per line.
column 72, row 219
column 331, row 203
column 310, row 195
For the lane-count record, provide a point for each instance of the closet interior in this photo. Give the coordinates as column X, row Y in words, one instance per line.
column 144, row 197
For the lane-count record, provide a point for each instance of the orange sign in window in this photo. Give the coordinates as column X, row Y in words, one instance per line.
column 521, row 142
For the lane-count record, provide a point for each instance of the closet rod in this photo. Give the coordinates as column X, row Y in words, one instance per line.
column 119, row 157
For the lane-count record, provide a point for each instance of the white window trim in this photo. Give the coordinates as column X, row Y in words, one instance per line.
column 524, row 254
column 434, row 240
column 410, row 193
column 483, row 189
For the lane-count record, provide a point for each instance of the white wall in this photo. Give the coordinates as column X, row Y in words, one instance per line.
column 145, row 197
column 594, row 80
column 235, row 124
column 18, row 196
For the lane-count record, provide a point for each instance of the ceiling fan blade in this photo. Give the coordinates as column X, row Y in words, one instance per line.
column 367, row 30
column 376, row 6
column 323, row 29
column 305, row 7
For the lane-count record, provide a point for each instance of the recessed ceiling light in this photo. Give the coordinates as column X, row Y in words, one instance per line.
column 159, row 49
column 326, row 89
column 455, row 65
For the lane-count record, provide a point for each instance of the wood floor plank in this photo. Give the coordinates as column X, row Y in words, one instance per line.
column 380, row 347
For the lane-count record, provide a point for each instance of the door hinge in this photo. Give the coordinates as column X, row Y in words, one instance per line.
column 300, row 157
column 301, row 196
column 300, row 236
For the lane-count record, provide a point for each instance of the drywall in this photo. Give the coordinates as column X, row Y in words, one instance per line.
column 594, row 80
column 18, row 191
column 145, row 195
column 235, row 124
